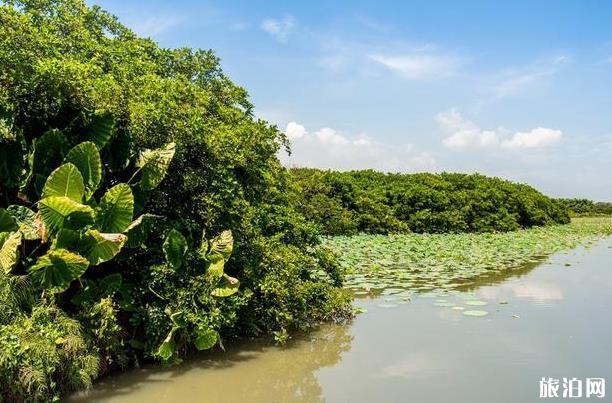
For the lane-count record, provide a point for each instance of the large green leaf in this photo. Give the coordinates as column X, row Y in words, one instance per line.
column 58, row 268
column 100, row 247
column 220, row 247
column 100, row 130
column 175, row 247
column 226, row 287
column 214, row 271
column 47, row 154
column 26, row 221
column 139, row 229
column 116, row 209
column 62, row 212
column 166, row 349
column 154, row 164
column 66, row 239
column 86, row 158
column 7, row 221
column 9, row 250
column 205, row 338
column 65, row 181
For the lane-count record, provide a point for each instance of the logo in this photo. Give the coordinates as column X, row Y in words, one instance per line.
column 572, row 388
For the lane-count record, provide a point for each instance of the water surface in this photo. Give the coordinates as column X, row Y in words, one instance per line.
column 546, row 320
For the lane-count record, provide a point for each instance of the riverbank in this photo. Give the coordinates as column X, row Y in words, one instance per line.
column 427, row 262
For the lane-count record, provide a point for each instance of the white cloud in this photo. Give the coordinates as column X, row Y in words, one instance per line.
column 329, row 149
column 512, row 82
column 464, row 134
column 419, row 66
column 295, row 131
column 153, row 26
column 516, row 83
column 536, row 138
column 279, row 29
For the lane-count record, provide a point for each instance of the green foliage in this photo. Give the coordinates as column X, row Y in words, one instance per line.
column 44, row 355
column 71, row 74
column 345, row 203
column 25, row 219
column 65, row 181
column 187, row 326
column 9, row 250
column 86, row 158
column 175, row 247
column 57, row 268
column 585, row 207
column 153, row 165
column 114, row 214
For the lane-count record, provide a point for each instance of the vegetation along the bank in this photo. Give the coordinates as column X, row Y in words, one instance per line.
column 346, row 203
column 585, row 207
column 123, row 167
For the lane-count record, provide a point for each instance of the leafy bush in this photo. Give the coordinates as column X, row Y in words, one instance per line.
column 73, row 79
column 585, row 207
column 43, row 355
column 345, row 203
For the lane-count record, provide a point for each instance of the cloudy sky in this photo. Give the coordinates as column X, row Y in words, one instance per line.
column 516, row 89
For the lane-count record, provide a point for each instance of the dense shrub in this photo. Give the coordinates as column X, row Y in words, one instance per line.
column 379, row 203
column 63, row 65
column 585, row 207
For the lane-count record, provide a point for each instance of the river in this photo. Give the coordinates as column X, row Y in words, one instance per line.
column 547, row 320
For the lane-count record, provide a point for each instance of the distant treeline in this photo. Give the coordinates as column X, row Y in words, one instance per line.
column 378, row 203
column 585, row 207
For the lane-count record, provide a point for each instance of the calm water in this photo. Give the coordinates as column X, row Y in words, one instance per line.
column 556, row 323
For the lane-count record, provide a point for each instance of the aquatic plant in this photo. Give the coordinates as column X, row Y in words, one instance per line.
column 429, row 262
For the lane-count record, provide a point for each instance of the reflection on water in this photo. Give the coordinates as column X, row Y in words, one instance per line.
column 250, row 371
column 546, row 321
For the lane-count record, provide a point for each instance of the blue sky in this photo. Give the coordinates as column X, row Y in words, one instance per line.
column 517, row 89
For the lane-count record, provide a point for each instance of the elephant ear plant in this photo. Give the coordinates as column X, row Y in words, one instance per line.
column 56, row 239
column 211, row 255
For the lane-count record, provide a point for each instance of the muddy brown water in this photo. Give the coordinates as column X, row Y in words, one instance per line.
column 548, row 320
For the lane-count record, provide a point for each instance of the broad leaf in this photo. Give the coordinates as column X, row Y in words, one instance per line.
column 9, row 250
column 57, row 269
column 116, row 209
column 214, row 271
column 139, row 229
column 154, row 164
column 62, row 212
column 221, row 246
column 94, row 290
column 86, row 158
column 47, row 154
column 205, row 338
column 66, row 239
column 65, row 181
column 166, row 349
column 99, row 247
column 7, row 221
column 226, row 287
column 175, row 247
column 26, row 221
column 178, row 319
column 100, row 130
